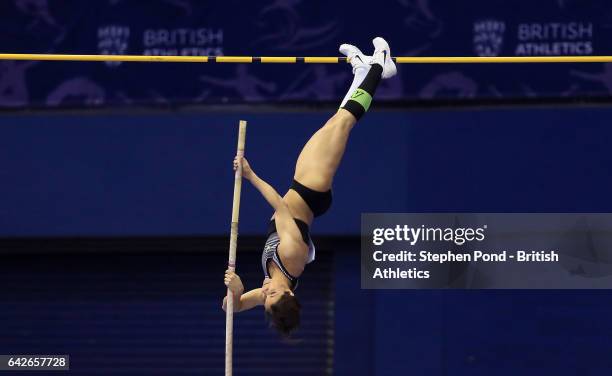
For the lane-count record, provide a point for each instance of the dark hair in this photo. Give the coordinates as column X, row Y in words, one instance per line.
column 284, row 315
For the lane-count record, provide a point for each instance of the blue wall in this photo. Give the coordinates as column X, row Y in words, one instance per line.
column 456, row 333
column 170, row 173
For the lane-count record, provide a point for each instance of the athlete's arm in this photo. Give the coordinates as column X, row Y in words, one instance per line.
column 246, row 301
column 285, row 225
column 242, row 301
column 266, row 190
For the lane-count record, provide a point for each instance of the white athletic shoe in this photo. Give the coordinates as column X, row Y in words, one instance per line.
column 382, row 56
column 355, row 56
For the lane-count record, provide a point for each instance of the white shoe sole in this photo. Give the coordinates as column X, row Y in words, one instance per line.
column 381, row 46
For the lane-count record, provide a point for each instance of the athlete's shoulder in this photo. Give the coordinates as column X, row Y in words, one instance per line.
column 294, row 254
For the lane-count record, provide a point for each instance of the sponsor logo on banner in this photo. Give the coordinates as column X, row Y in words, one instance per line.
column 554, row 38
column 183, row 42
column 113, row 40
column 489, row 37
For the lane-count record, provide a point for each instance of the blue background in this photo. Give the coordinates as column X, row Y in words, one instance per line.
column 124, row 157
column 170, row 173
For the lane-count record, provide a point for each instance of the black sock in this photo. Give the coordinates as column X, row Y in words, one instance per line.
column 362, row 97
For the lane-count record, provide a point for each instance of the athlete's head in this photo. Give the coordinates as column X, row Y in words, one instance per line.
column 282, row 310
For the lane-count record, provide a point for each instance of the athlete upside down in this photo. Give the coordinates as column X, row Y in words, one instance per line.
column 288, row 246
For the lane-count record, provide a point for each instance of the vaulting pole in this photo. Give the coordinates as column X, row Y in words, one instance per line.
column 231, row 264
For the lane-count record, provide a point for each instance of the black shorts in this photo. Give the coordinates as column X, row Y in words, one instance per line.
column 318, row 202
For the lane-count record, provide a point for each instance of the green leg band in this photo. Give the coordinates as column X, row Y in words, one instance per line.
column 363, row 98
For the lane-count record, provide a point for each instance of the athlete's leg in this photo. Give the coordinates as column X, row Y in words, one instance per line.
column 321, row 156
